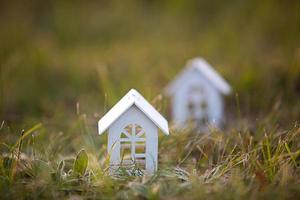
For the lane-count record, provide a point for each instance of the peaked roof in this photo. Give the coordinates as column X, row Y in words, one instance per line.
column 132, row 98
column 200, row 65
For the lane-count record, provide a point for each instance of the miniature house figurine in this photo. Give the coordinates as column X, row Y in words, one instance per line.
column 133, row 133
column 196, row 95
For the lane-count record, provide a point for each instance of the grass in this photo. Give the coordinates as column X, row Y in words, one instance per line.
column 64, row 64
column 235, row 164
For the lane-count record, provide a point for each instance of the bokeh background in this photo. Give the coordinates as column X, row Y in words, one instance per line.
column 61, row 58
column 63, row 64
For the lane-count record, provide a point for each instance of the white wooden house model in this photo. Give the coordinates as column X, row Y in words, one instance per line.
column 196, row 95
column 133, row 133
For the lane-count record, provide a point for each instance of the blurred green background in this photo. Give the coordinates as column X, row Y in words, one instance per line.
column 63, row 64
column 59, row 57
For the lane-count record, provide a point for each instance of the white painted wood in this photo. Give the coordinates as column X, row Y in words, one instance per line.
column 134, row 115
column 198, row 85
column 132, row 97
column 133, row 129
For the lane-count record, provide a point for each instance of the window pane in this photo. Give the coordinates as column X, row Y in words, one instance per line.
column 128, row 129
column 138, row 128
column 123, row 135
column 140, row 147
column 125, row 151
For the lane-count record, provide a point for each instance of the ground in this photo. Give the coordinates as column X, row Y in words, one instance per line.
column 63, row 64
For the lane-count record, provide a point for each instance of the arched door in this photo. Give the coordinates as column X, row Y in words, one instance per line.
column 198, row 106
column 133, row 146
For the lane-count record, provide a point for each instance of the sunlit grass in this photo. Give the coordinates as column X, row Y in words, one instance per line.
column 191, row 166
column 64, row 64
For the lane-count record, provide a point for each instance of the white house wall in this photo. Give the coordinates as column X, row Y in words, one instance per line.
column 215, row 108
column 179, row 111
column 213, row 97
column 134, row 116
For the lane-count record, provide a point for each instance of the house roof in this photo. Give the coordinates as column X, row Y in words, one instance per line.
column 203, row 67
column 130, row 99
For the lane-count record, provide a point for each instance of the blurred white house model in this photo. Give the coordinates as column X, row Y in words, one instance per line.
column 196, row 95
column 133, row 133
